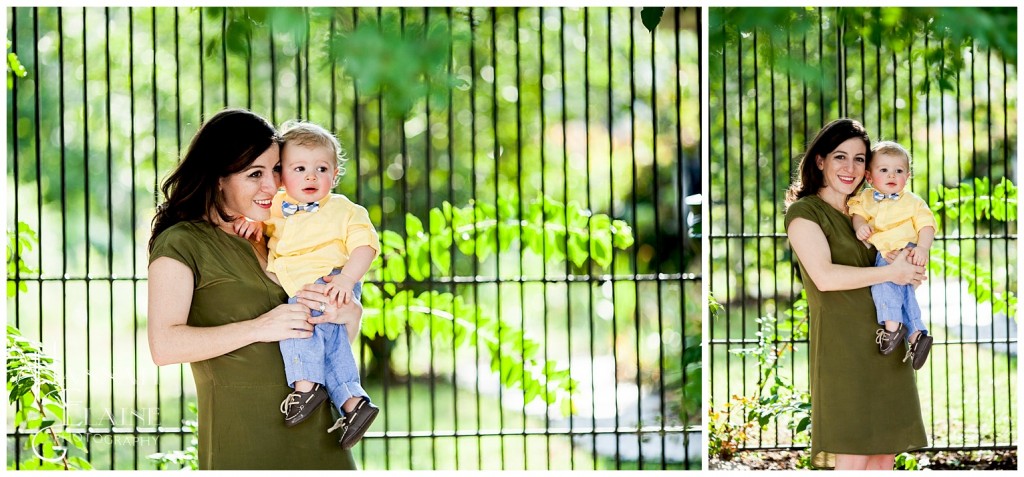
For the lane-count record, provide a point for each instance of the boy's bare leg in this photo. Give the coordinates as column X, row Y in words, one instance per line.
column 303, row 386
column 350, row 403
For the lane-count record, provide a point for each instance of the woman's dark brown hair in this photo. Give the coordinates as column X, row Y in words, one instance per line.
column 810, row 179
column 227, row 143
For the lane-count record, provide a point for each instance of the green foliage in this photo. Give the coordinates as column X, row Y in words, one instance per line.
column 547, row 228
column 950, row 31
column 14, row 67
column 479, row 230
column 19, row 241
column 774, row 397
column 714, row 308
column 979, row 280
column 187, row 459
column 403, row 64
column 33, row 387
column 39, row 408
column 906, row 461
column 725, row 436
column 968, row 205
column 651, row 17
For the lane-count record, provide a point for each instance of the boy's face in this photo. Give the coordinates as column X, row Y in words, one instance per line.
column 888, row 173
column 307, row 172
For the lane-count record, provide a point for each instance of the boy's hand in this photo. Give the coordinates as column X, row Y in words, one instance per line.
column 246, row 228
column 864, row 232
column 339, row 291
column 919, row 256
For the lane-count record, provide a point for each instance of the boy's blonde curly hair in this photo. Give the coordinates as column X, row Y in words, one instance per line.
column 892, row 148
column 308, row 134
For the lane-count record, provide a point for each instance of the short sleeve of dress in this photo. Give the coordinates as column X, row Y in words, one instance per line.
column 178, row 243
column 802, row 209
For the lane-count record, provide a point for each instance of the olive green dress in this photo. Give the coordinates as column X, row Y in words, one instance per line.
column 240, row 425
column 862, row 402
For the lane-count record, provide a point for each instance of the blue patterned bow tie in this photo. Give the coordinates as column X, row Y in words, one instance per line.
column 288, row 208
column 880, row 196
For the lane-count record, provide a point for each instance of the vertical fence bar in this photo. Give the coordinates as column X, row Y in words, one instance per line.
column 428, row 144
column 110, row 219
column 611, row 211
column 12, row 123
column 63, row 202
column 544, row 270
column 132, row 274
column 683, row 230
column 991, row 238
column 450, row 69
column 974, row 155
column 1006, row 159
column 224, row 57
column 156, row 192
column 635, row 259
column 496, row 150
column 474, row 264
column 590, row 267
column 88, row 240
column 519, row 230
column 405, row 210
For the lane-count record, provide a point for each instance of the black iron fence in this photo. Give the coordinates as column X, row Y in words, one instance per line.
column 953, row 104
column 576, row 116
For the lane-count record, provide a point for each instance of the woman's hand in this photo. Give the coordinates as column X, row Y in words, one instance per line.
column 283, row 322
column 903, row 272
column 315, row 296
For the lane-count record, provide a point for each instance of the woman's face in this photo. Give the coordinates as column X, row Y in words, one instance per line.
column 249, row 192
column 843, row 168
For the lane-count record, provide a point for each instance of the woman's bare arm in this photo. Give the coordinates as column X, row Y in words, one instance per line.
column 172, row 340
column 811, row 246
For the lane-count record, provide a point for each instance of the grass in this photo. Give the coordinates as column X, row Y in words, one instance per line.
column 968, row 392
column 431, row 410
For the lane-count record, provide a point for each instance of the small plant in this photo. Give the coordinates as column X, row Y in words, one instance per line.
column 35, row 390
column 906, row 461
column 184, row 459
column 775, row 396
column 33, row 387
column 725, row 437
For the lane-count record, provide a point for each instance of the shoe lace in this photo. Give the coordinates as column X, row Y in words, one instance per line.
column 880, row 336
column 909, row 355
column 341, row 423
column 289, row 401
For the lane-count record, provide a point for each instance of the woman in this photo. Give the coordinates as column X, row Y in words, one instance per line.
column 864, row 405
column 212, row 303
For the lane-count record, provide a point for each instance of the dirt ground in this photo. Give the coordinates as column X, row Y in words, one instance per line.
column 967, row 460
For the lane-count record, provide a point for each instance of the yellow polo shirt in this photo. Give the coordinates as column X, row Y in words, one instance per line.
column 894, row 222
column 307, row 246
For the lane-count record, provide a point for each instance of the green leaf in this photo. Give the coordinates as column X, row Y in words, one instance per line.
column 651, row 16
column 413, row 226
column 396, row 269
column 391, row 239
column 601, row 251
column 437, row 222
